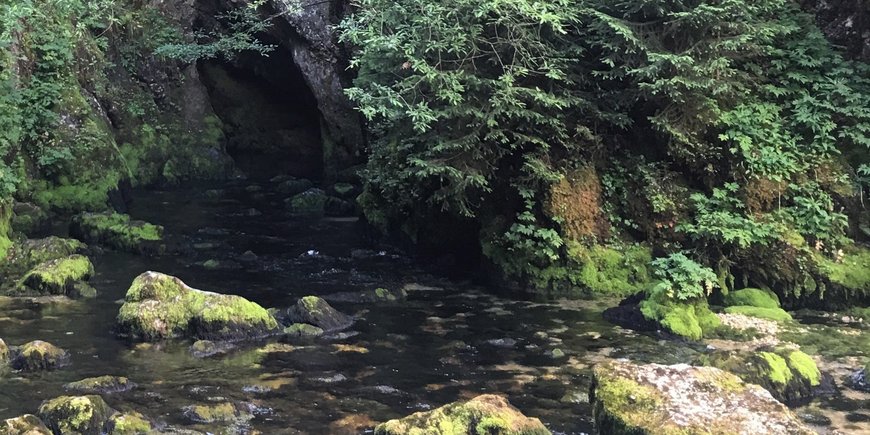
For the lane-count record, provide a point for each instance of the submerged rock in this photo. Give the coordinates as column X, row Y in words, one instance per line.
column 39, row 355
column 118, row 231
column 316, row 311
column 368, row 296
column 130, row 423
column 207, row 348
column 64, row 276
column 25, row 425
column 653, row 399
column 101, row 385
column 159, row 306
column 789, row 374
column 86, row 415
column 303, row 330
column 220, row 413
column 483, row 415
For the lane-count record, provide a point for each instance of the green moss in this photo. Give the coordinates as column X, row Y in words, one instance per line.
column 778, row 370
column 775, row 314
column 624, row 401
column 220, row 413
column 752, row 297
column 5, row 228
column 310, row 202
column 303, row 330
column 76, row 414
column 39, row 355
column 852, row 272
column 88, row 195
column 690, row 320
column 100, row 384
column 618, row 271
column 129, row 424
column 804, row 366
column 57, row 277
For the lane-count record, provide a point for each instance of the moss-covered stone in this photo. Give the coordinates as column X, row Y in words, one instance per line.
column 159, row 306
column 788, row 374
column 752, row 297
column 775, row 314
column 58, row 277
column 484, row 415
column 129, row 423
column 303, row 330
column 26, row 255
column 310, row 202
column 25, row 425
column 118, row 231
column 39, row 355
column 686, row 319
column 316, row 311
column 101, row 385
column 617, row 271
column 86, row 415
column 219, row 413
column 851, row 273
column 681, row 399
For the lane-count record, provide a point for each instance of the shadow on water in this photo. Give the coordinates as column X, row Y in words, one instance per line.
column 447, row 341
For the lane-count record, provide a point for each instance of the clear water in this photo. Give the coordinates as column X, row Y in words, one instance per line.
column 436, row 347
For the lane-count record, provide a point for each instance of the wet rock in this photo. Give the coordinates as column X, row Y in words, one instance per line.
column 328, row 379
column 29, row 219
column 316, row 311
column 39, row 355
column 25, row 425
column 486, row 414
column 294, row 187
column 159, row 306
column 506, row 343
column 59, row 277
column 367, row 296
column 129, row 423
column 859, row 380
column 101, row 385
column 650, row 399
column 790, row 375
column 86, row 415
column 28, row 254
column 219, row 413
column 213, row 264
column 207, row 348
column 119, row 232
column 814, row 417
column 214, row 194
column 556, row 353
column 303, row 330
column 336, row 207
column 310, row 202
column 248, row 257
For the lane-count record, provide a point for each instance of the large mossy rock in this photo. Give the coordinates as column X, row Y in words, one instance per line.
column 25, row 425
column 61, row 277
column 311, row 202
column 681, row 399
column 159, row 306
column 756, row 302
column 789, row 374
column 39, row 355
column 484, row 415
column 28, row 254
column 118, row 231
column 131, row 423
column 101, row 385
column 690, row 320
column 316, row 311
column 86, row 415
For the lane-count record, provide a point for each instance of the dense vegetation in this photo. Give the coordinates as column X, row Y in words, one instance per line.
column 727, row 138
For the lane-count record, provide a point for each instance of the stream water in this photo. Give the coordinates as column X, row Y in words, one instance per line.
column 447, row 341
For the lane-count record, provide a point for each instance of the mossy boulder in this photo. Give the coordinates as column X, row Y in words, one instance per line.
column 101, row 385
column 315, row 311
column 159, row 306
column 789, row 374
column 25, row 425
column 775, row 314
column 690, row 319
column 311, row 202
column 119, row 232
column 63, row 276
column 129, row 423
column 39, row 355
column 613, row 271
column 86, row 415
column 225, row 412
column 752, row 297
column 303, row 330
column 30, row 253
column 849, row 275
column 484, row 415
column 631, row 399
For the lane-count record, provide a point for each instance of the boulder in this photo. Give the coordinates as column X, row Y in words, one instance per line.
column 688, row 319
column 86, row 415
column 61, row 277
column 483, row 415
column 755, row 302
column 316, row 311
column 790, row 375
column 28, row 254
column 101, row 385
column 159, row 306
column 29, row 219
column 119, row 232
column 303, row 330
column 311, row 202
column 225, row 413
column 859, row 380
column 39, row 355
column 129, row 423
column 25, row 425
column 653, row 399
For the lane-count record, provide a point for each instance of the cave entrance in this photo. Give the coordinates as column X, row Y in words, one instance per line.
column 269, row 114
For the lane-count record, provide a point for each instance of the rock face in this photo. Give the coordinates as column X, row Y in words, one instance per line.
column 655, row 399
column 159, row 306
column 39, row 355
column 24, row 425
column 86, row 415
column 119, row 232
column 316, row 311
column 483, row 415
column 789, row 374
column 845, row 23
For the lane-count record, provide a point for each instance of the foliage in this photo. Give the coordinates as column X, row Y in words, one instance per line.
column 682, row 278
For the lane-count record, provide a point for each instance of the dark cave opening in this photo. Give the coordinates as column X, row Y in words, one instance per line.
column 269, row 115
